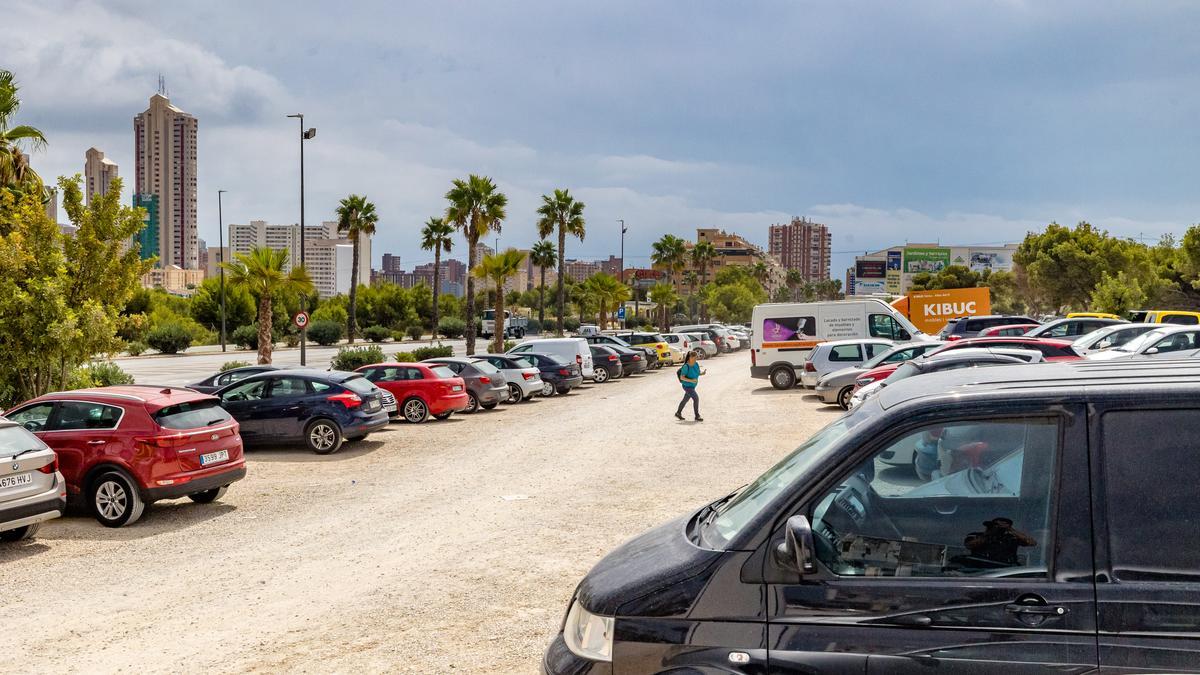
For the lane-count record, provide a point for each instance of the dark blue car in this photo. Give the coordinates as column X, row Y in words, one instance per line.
column 320, row 408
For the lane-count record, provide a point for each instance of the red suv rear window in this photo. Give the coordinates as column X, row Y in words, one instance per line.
column 192, row 415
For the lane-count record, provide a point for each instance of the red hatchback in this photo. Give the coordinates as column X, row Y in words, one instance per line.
column 421, row 389
column 1052, row 349
column 120, row 448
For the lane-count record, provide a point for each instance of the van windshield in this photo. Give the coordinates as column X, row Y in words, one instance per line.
column 743, row 507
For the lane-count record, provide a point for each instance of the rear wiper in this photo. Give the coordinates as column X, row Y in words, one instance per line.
column 24, row 452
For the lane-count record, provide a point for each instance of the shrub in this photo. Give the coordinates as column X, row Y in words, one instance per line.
column 330, row 311
column 416, row 331
column 291, row 339
column 534, row 326
column 98, row 374
column 422, row 353
column 508, row 344
column 405, row 357
column 230, row 365
column 169, row 338
column 376, row 333
column 136, row 348
column 452, row 327
column 325, row 332
column 351, row 358
column 571, row 324
column 245, row 337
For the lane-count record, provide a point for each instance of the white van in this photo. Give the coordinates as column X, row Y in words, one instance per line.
column 785, row 332
column 570, row 348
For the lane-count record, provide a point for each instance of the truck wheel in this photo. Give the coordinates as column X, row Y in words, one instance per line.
column 783, row 378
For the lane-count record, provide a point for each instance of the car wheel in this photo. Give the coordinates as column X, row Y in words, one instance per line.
column 783, row 378
column 415, row 411
column 114, row 500
column 472, row 403
column 209, row 496
column 20, row 533
column 600, row 376
column 443, row 416
column 564, row 390
column 489, row 406
column 844, row 396
column 515, row 395
column 323, row 437
column 547, row 389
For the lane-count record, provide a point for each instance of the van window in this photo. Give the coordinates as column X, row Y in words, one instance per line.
column 966, row 498
column 1181, row 319
column 846, row 353
column 884, row 326
column 1149, row 477
column 780, row 329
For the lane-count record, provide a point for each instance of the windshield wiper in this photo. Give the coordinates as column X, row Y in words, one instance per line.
column 708, row 513
column 24, row 452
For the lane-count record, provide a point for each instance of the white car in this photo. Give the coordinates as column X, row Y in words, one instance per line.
column 708, row 347
column 1164, row 342
column 524, row 379
column 1111, row 336
column 574, row 349
column 827, row 357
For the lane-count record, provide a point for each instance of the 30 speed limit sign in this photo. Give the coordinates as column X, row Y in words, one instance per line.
column 300, row 320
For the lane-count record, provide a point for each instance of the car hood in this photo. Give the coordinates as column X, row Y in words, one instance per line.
column 849, row 374
column 1109, row 355
column 629, row 581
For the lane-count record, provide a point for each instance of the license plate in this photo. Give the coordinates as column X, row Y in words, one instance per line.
column 390, row 408
column 19, row 480
column 456, row 388
column 214, row 457
column 372, row 405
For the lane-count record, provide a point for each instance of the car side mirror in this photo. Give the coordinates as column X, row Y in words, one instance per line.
column 796, row 550
column 1152, row 350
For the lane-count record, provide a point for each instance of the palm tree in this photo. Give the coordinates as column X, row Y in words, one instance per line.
column 703, row 254
column 435, row 236
column 794, row 280
column 356, row 218
column 760, row 272
column 497, row 268
column 607, row 291
column 562, row 212
column 15, row 172
column 477, row 208
column 581, row 295
column 669, row 254
column 261, row 273
column 543, row 255
column 663, row 295
column 690, row 278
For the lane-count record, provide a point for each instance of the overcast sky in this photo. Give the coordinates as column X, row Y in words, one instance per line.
column 964, row 122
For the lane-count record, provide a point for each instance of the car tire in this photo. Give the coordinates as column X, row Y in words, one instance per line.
column 600, row 376
column 21, row 533
column 209, row 496
column 843, row 399
column 547, row 389
column 489, row 406
column 515, row 395
column 114, row 499
column 563, row 391
column 414, row 410
column 783, row 378
column 472, row 403
column 323, row 436
column 443, row 416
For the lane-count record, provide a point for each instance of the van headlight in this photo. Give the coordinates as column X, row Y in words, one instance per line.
column 588, row 635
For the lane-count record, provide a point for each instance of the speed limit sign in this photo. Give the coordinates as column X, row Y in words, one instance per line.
column 300, row 319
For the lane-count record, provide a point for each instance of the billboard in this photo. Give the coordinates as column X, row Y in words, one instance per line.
column 869, row 286
column 932, row 260
column 870, row 269
column 996, row 260
column 930, row 310
column 892, row 283
column 893, row 260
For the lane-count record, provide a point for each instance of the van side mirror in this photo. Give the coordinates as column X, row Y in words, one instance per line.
column 904, row 335
column 796, row 550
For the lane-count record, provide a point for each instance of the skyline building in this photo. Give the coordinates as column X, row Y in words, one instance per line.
column 165, row 168
column 98, row 173
column 328, row 255
column 803, row 246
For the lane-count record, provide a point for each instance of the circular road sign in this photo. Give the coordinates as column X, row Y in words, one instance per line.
column 300, row 319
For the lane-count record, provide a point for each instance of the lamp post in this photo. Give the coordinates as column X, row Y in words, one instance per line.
column 304, row 136
column 623, row 231
column 221, row 259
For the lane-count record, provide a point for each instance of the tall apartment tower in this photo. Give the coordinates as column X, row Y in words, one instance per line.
column 165, row 153
column 804, row 246
column 98, row 173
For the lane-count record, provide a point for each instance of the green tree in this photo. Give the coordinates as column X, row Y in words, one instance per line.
column 476, row 208
column 1064, row 265
column 607, row 292
column 795, row 282
column 669, row 254
column 562, row 213
column 951, row 276
column 544, row 256
column 1118, row 294
column 436, row 237
column 664, row 296
column 691, row 278
column 205, row 306
column 498, row 268
column 356, row 218
column 261, row 273
column 15, row 140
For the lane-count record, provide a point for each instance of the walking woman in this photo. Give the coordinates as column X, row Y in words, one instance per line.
column 689, row 377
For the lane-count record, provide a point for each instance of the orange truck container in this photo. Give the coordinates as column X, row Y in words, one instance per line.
column 930, row 310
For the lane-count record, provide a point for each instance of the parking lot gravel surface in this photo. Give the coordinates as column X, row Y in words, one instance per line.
column 439, row 547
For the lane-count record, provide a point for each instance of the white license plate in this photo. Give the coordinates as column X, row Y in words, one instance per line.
column 456, row 388
column 390, row 408
column 372, row 406
column 214, row 457
column 19, row 480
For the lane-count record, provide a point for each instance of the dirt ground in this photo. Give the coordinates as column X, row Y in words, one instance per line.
column 445, row 546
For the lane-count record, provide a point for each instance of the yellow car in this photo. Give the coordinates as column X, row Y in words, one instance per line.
column 1172, row 316
column 1092, row 315
column 661, row 348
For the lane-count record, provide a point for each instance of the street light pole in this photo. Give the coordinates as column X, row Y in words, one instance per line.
column 304, row 136
column 623, row 230
column 221, row 257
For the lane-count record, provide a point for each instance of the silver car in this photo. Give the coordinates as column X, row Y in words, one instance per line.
column 837, row 387
column 837, row 354
column 524, row 379
column 707, row 346
column 1111, row 336
column 32, row 490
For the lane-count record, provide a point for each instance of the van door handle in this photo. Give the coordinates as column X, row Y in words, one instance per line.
column 1037, row 610
column 947, row 512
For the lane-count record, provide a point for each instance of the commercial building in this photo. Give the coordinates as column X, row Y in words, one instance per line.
column 732, row 251
column 215, row 257
column 328, row 256
column 580, row 269
column 165, row 168
column 890, row 271
column 803, row 246
column 173, row 279
column 98, row 174
column 147, row 239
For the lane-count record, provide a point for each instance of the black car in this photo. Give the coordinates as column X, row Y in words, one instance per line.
column 648, row 353
column 212, row 383
column 606, row 364
column 633, row 360
column 969, row 326
column 321, row 408
column 558, row 375
column 1055, row 533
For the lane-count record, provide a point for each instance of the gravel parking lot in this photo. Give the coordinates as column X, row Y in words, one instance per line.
column 426, row 548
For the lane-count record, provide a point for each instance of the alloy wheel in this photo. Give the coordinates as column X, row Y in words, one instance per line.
column 514, row 393
column 111, row 500
column 322, row 437
column 547, row 389
column 601, row 375
column 415, row 411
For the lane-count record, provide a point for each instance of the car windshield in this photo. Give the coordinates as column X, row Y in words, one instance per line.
column 879, row 359
column 192, row 415
column 750, row 500
column 358, row 384
column 443, row 372
column 1143, row 340
column 523, row 362
column 905, row 370
column 16, row 439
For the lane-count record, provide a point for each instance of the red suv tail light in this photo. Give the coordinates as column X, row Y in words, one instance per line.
column 348, row 399
column 809, row 367
column 51, row 467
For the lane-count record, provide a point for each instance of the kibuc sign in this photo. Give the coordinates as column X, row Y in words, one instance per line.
column 930, row 310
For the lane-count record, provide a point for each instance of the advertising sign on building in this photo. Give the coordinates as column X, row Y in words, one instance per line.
column 996, row 260
column 892, row 283
column 930, row 310
column 893, row 260
column 870, row 269
column 869, row 286
column 932, row 260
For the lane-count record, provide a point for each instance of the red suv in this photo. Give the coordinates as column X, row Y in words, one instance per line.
column 421, row 389
column 120, row 448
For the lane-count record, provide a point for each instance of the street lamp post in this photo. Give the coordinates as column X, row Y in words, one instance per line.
column 304, row 136
column 221, row 259
column 623, row 230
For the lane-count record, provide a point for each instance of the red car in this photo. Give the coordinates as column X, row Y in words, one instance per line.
column 1010, row 330
column 121, row 448
column 421, row 389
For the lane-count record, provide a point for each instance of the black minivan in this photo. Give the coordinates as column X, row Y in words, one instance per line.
column 1055, row 529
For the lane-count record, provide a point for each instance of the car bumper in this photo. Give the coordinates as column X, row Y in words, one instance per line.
column 809, row 380
column 34, row 508
column 559, row 660
column 449, row 404
column 492, row 394
column 568, row 383
column 828, row 392
column 529, row 387
column 633, row 367
column 220, row 476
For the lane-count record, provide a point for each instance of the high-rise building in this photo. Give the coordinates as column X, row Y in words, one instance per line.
column 328, row 256
column 165, row 168
column 803, row 246
column 611, row 266
column 147, row 238
column 391, row 263
column 580, row 269
column 98, row 173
